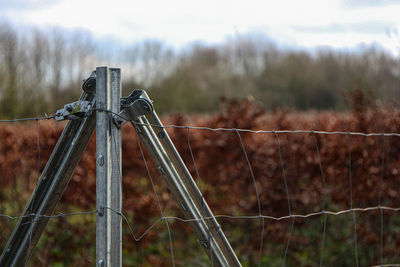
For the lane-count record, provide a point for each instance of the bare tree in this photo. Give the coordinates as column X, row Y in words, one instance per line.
column 150, row 61
column 9, row 53
column 57, row 62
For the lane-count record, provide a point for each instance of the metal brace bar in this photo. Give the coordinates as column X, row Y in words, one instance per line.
column 138, row 109
column 51, row 185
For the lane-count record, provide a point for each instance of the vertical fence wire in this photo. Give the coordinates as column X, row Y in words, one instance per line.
column 324, row 199
column 257, row 195
column 37, row 180
column 200, row 188
column 351, row 200
column 287, row 197
column 158, row 200
column 380, row 202
column 38, row 149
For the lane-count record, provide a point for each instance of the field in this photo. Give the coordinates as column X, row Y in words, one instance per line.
column 307, row 160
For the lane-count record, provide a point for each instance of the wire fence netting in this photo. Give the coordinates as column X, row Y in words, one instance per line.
column 323, row 197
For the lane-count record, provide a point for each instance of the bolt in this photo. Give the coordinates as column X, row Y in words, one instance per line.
column 182, row 206
column 147, row 108
column 100, row 160
column 138, row 130
column 118, row 121
column 161, row 169
column 161, row 134
column 101, row 211
column 204, row 243
column 69, row 108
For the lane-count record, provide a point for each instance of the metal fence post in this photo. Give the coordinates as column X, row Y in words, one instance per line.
column 108, row 169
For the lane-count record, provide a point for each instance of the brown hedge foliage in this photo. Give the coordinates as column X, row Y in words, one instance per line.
column 224, row 173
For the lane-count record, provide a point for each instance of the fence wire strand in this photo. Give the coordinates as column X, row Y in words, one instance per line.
column 221, row 129
column 351, row 200
column 287, row 197
column 203, row 201
column 257, row 195
column 324, row 198
column 380, row 201
column 219, row 216
column 157, row 199
column 29, row 119
column 37, row 179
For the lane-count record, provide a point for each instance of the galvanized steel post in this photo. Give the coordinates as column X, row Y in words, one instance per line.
column 108, row 169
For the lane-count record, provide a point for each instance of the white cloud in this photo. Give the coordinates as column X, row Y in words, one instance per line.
column 181, row 21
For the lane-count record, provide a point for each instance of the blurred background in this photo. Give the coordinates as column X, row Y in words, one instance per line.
column 301, row 55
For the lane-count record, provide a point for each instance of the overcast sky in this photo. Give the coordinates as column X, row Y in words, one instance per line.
column 292, row 23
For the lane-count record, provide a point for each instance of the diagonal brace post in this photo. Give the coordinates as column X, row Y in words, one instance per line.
column 138, row 109
column 51, row 185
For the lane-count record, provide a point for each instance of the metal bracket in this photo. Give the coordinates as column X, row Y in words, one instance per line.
column 81, row 108
column 135, row 105
column 89, row 84
column 74, row 110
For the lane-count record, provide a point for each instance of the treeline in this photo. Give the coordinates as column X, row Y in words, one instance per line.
column 42, row 69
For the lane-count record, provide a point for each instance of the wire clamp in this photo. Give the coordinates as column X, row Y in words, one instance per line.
column 75, row 110
column 132, row 107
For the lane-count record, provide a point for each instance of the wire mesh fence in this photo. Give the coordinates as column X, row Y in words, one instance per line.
column 282, row 197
